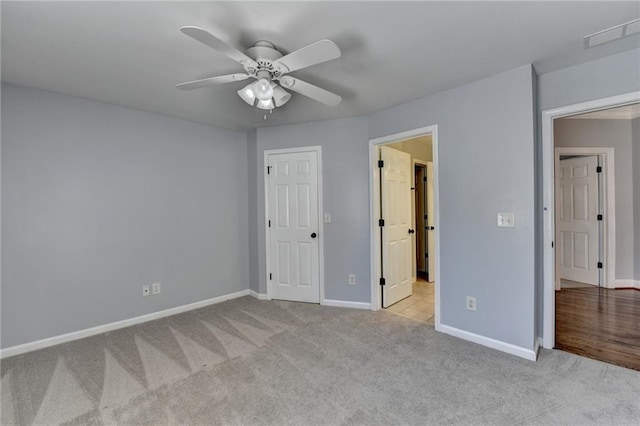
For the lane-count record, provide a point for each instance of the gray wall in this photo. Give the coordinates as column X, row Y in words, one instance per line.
column 635, row 133
column 486, row 166
column 538, row 219
column 346, row 196
column 98, row 200
column 252, row 174
column 602, row 78
column 486, row 148
column 611, row 134
column 609, row 76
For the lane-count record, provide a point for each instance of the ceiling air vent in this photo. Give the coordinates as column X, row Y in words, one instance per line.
column 611, row 34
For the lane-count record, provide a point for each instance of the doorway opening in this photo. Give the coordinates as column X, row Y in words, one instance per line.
column 592, row 242
column 584, row 212
column 404, row 231
column 420, row 214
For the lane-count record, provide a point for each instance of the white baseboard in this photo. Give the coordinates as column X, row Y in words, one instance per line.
column 75, row 335
column 259, row 296
column 346, row 304
column 626, row 283
column 530, row 354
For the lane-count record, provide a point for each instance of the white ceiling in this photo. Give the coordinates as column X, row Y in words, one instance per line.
column 133, row 54
column 627, row 112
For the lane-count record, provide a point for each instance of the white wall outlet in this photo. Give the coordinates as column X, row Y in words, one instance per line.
column 471, row 303
column 352, row 279
column 145, row 290
column 327, row 218
column 155, row 288
column 506, row 220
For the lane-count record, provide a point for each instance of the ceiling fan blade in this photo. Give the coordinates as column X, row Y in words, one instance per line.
column 214, row 42
column 212, row 81
column 309, row 90
column 316, row 53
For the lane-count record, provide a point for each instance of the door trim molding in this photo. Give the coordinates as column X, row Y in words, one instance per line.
column 609, row 204
column 548, row 194
column 317, row 149
column 374, row 237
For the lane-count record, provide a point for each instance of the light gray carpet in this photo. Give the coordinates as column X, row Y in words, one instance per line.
column 256, row 362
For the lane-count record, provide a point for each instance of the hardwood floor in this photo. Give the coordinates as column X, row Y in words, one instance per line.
column 600, row 323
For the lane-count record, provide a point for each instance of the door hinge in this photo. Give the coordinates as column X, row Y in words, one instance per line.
column 381, row 222
column 599, row 265
column 424, row 178
column 425, row 217
column 599, row 217
column 269, row 223
column 551, row 244
column 382, row 281
column 426, row 255
column 270, row 276
column 380, row 163
column 268, row 170
column 598, row 169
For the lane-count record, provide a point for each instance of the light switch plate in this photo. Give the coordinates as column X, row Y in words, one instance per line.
column 506, row 220
column 327, row 218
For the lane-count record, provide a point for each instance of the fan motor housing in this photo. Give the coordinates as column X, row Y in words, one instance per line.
column 263, row 50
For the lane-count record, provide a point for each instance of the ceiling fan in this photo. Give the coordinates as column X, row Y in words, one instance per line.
column 270, row 68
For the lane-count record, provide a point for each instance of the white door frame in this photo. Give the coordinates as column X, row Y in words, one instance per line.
column 548, row 194
column 317, row 149
column 374, row 193
column 608, row 187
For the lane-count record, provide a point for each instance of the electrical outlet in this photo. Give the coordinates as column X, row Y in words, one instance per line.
column 471, row 303
column 145, row 290
column 352, row 279
column 155, row 288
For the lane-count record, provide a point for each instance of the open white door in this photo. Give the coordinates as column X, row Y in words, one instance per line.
column 431, row 220
column 397, row 261
column 293, row 226
column 577, row 241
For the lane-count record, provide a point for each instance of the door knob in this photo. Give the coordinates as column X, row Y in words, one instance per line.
column 314, row 235
column 411, row 231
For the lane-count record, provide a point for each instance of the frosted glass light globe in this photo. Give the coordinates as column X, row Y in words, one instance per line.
column 263, row 89
column 267, row 105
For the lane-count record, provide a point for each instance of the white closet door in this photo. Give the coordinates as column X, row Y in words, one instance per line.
column 293, row 216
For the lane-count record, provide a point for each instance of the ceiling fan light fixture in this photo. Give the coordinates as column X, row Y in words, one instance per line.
column 265, row 63
column 265, row 104
column 280, row 96
column 263, row 89
column 247, row 94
